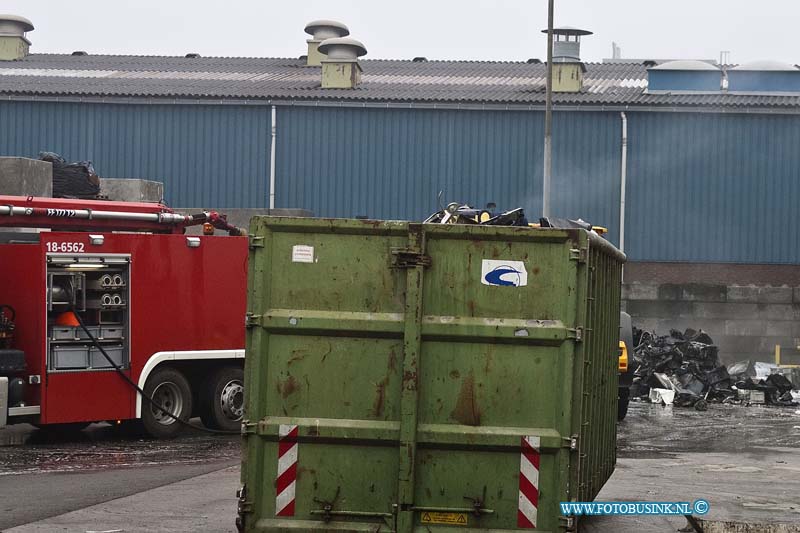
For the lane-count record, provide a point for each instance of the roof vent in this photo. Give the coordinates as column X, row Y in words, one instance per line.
column 649, row 63
column 13, row 42
column 341, row 70
column 567, row 44
column 534, row 61
column 79, row 53
column 192, row 55
column 567, row 66
column 764, row 77
column 319, row 31
column 684, row 75
column 420, row 59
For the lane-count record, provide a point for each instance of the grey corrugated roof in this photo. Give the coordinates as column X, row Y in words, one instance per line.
column 383, row 81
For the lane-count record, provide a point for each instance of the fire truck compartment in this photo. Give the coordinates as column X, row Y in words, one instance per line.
column 98, row 360
column 96, row 289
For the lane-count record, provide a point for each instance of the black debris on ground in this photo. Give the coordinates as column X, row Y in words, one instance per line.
column 688, row 364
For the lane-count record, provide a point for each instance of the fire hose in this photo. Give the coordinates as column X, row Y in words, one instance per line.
column 136, row 387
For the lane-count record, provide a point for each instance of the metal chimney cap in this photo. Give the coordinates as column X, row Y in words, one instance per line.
column 342, row 48
column 21, row 22
column 326, row 29
column 569, row 30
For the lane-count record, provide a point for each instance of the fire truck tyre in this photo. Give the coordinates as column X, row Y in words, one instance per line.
column 222, row 399
column 169, row 389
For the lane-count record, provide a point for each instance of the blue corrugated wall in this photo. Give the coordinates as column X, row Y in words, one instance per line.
column 706, row 187
column 701, row 187
column 206, row 155
column 392, row 163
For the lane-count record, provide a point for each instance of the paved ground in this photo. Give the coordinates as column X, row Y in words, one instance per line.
column 45, row 475
column 744, row 461
column 202, row 503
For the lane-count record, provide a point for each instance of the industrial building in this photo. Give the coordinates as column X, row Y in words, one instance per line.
column 689, row 164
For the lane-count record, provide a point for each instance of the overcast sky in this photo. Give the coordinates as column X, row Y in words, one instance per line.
column 436, row 29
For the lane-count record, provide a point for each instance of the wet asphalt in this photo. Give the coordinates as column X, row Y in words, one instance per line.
column 653, row 431
column 44, row 475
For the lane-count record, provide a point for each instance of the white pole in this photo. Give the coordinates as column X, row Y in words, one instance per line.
column 272, row 159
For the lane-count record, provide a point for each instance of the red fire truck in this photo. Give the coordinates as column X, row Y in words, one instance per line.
column 115, row 290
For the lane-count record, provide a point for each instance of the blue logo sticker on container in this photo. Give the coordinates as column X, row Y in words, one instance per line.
column 499, row 273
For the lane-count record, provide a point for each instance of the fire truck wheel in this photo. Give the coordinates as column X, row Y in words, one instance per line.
column 169, row 389
column 222, row 399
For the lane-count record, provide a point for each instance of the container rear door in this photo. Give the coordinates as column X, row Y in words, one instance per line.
column 408, row 378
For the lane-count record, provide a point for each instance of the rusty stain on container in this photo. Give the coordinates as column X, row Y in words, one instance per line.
column 380, row 396
column 466, row 410
column 287, row 387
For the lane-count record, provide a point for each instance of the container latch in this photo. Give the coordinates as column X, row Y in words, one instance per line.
column 405, row 258
column 576, row 334
column 251, row 320
column 255, row 241
column 579, row 254
column 568, row 522
column 243, row 507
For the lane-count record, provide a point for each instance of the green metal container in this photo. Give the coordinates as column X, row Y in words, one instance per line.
column 400, row 377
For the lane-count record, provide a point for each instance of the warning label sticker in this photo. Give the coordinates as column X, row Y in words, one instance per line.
column 302, row 253
column 458, row 519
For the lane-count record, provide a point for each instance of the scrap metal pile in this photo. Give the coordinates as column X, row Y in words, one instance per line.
column 684, row 369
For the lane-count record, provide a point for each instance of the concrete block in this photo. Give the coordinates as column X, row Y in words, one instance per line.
column 669, row 291
column 660, row 309
column 737, row 293
column 775, row 312
column 639, row 291
column 775, row 295
column 737, row 345
column 779, row 329
column 725, row 310
column 20, row 176
column 745, row 327
column 132, row 190
column 766, row 346
column 701, row 292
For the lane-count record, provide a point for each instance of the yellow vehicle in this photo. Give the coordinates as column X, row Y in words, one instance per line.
column 625, row 364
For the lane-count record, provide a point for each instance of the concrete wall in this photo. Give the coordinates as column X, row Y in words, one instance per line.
column 20, row 176
column 745, row 321
column 132, row 190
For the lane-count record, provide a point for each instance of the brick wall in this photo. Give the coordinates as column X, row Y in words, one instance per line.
column 713, row 273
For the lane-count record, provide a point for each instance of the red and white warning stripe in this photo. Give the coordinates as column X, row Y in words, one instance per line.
column 287, row 470
column 528, row 483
